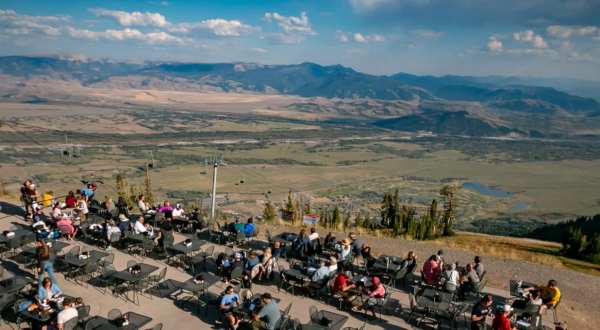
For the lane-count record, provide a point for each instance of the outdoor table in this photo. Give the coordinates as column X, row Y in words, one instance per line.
column 106, row 324
column 39, row 316
column 296, row 274
column 336, row 321
column 137, row 320
column 14, row 284
column 127, row 276
column 18, row 234
column 181, row 248
column 93, row 256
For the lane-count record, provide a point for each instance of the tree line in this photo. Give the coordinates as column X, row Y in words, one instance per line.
column 393, row 218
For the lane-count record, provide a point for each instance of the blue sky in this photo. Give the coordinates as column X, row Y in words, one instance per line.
column 550, row 38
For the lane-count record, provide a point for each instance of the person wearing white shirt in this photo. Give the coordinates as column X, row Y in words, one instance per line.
column 178, row 211
column 452, row 278
column 313, row 234
column 68, row 313
column 139, row 227
column 142, row 204
column 321, row 273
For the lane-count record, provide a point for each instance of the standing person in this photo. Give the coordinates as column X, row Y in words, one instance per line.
column 268, row 316
column 479, row 267
column 45, row 261
column 480, row 312
column 357, row 243
column 167, row 210
column 29, row 196
column 313, row 234
column 502, row 320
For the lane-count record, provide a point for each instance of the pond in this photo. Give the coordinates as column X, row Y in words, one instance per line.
column 486, row 190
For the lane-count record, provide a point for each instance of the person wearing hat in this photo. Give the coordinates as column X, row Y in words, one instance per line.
column 501, row 320
column 374, row 294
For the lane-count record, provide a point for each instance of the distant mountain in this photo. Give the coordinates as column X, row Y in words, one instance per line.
column 446, row 123
column 495, row 92
column 305, row 79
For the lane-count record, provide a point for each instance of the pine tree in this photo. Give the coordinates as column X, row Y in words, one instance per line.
column 149, row 197
column 269, row 212
column 335, row 218
column 346, row 222
column 121, row 186
column 448, row 192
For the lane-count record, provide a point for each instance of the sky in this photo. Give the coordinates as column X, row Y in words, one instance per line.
column 540, row 38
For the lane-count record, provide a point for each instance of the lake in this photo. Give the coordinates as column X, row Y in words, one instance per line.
column 486, row 190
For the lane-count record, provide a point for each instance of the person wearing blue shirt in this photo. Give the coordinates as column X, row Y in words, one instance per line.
column 249, row 228
column 88, row 192
column 48, row 290
column 229, row 301
column 269, row 314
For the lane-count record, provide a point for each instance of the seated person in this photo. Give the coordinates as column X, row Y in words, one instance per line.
column 502, row 319
column 124, row 223
column 178, row 212
column 374, row 294
column 431, row 270
column 278, row 250
column 345, row 251
column 87, row 192
column 48, row 291
column 142, row 205
column 66, row 227
column 357, row 243
column 227, row 265
column 410, row 263
column 68, row 313
column 313, row 234
column 333, row 267
column 56, row 212
column 451, row 278
column 238, row 227
column 111, row 228
column 108, row 204
column 470, row 280
column 71, row 200
column 82, row 208
column 329, row 241
column 550, row 295
column 251, row 266
column 268, row 315
column 343, row 287
column 139, row 227
column 267, row 264
column 480, row 312
column 367, row 256
column 229, row 301
column 322, row 273
column 249, row 228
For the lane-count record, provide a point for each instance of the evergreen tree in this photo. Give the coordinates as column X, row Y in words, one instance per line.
column 335, row 218
column 269, row 212
column 346, row 222
column 448, row 192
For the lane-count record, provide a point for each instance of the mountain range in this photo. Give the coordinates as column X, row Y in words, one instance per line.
column 501, row 104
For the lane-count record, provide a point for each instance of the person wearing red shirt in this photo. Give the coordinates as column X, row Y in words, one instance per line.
column 71, row 200
column 501, row 321
column 431, row 270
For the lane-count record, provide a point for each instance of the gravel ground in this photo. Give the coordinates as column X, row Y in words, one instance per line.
column 580, row 306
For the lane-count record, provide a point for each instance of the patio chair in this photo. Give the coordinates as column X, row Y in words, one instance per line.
column 83, row 313
column 105, row 279
column 236, row 275
column 114, row 314
column 85, row 273
column 5, row 301
column 314, row 314
column 157, row 327
column 155, row 279
column 201, row 258
column 147, row 248
column 362, row 327
column 131, row 263
column 94, row 323
column 71, row 324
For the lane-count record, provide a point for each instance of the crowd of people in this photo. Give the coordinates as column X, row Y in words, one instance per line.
column 328, row 262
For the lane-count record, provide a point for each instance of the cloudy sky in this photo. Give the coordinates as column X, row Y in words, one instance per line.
column 551, row 38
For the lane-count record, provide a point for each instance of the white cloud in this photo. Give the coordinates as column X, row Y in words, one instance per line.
column 258, row 50
column 427, row 34
column 494, row 45
column 565, row 32
column 217, row 26
column 529, row 36
column 16, row 24
column 135, row 18
column 291, row 24
column 151, row 38
column 358, row 37
column 283, row 38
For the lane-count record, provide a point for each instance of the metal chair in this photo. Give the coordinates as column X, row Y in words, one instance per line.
column 155, row 279
column 71, row 324
column 114, row 314
column 157, row 327
column 94, row 323
column 83, row 312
